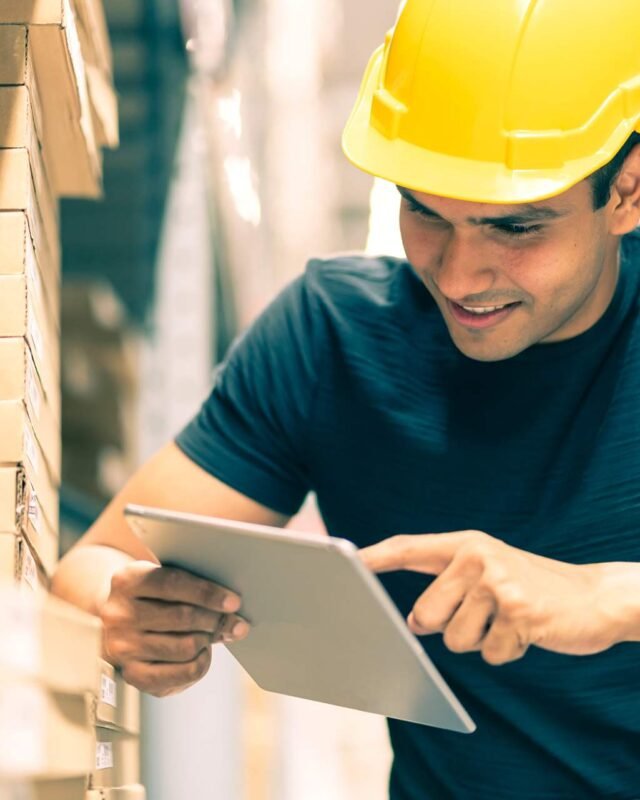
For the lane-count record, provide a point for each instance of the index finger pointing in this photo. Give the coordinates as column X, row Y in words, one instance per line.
column 179, row 586
column 429, row 553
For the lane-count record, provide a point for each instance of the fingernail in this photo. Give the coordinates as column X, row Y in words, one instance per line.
column 239, row 630
column 231, row 603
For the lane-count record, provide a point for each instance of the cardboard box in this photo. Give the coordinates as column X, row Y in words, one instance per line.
column 43, row 734
column 104, row 107
column 20, row 381
column 122, row 793
column 21, row 512
column 118, row 703
column 117, row 760
column 94, row 34
column 70, row 789
column 21, row 189
column 22, row 256
column 20, row 118
column 19, row 565
column 51, row 643
column 19, row 130
column 16, row 445
column 16, row 66
column 22, row 315
column 96, row 49
column 59, row 66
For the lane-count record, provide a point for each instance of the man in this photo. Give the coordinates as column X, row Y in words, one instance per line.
column 481, row 399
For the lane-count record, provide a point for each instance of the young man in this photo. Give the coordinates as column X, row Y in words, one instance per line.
column 480, row 398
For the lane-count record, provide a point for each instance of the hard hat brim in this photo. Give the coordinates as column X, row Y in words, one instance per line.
column 421, row 170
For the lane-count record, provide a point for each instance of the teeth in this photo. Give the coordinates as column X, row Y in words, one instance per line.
column 486, row 310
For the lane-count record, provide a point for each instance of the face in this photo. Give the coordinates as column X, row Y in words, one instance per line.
column 508, row 277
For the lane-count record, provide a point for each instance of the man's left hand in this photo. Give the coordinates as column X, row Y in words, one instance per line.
column 496, row 599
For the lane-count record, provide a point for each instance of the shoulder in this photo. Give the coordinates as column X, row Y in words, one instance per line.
column 351, row 283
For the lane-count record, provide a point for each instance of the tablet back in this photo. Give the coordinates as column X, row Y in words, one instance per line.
column 323, row 627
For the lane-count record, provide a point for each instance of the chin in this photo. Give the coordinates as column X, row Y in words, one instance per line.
column 487, row 352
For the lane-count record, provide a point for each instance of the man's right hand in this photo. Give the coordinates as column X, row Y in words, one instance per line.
column 160, row 624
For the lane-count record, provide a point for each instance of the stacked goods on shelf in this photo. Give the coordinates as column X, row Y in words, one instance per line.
column 117, row 721
column 60, row 738
column 30, row 458
column 49, row 669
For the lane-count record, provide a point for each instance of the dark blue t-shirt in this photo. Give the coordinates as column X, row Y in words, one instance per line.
column 349, row 385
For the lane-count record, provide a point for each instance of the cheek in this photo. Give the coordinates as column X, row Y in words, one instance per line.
column 423, row 244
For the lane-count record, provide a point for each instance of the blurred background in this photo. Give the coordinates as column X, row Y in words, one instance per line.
column 228, row 177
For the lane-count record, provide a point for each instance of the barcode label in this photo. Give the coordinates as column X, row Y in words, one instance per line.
column 33, row 510
column 104, row 755
column 33, row 277
column 35, row 335
column 109, row 692
column 29, row 575
column 32, row 389
column 31, row 450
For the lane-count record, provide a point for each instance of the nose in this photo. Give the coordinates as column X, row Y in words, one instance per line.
column 462, row 272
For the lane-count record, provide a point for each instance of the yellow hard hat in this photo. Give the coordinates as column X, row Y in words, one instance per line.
column 505, row 101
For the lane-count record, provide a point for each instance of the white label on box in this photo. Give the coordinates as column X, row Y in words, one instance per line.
column 31, row 449
column 34, row 284
column 109, row 691
column 20, row 649
column 33, row 512
column 32, row 389
column 104, row 755
column 36, row 336
column 29, row 574
column 22, row 729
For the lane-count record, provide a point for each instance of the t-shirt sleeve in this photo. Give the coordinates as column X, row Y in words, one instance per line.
column 252, row 431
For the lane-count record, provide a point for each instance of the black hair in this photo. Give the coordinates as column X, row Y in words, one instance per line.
column 603, row 179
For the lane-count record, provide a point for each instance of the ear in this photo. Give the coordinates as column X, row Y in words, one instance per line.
column 625, row 197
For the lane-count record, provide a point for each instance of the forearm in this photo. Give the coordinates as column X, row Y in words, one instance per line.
column 621, row 596
column 83, row 577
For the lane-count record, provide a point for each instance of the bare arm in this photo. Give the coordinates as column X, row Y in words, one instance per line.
column 159, row 623
column 168, row 480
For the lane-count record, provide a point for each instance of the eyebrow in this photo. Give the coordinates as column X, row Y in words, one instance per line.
column 527, row 212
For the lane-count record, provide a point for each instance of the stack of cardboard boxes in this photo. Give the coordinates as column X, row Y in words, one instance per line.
column 62, row 737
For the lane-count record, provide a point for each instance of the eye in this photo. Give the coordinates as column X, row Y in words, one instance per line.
column 518, row 230
column 414, row 208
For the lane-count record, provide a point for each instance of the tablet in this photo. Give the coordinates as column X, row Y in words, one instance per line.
column 323, row 626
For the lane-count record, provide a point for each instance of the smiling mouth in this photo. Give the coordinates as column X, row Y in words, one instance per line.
column 481, row 316
column 481, row 310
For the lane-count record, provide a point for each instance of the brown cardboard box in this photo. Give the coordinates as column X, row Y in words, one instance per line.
column 19, row 380
column 121, row 793
column 48, row 641
column 16, row 67
column 18, row 132
column 22, row 315
column 94, row 41
column 59, row 66
column 20, row 118
column 104, row 107
column 43, row 734
column 16, row 446
column 21, row 189
column 22, row 256
column 19, row 447
column 117, row 760
column 69, row 789
column 118, row 703
column 21, row 513
column 18, row 564
column 94, row 34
